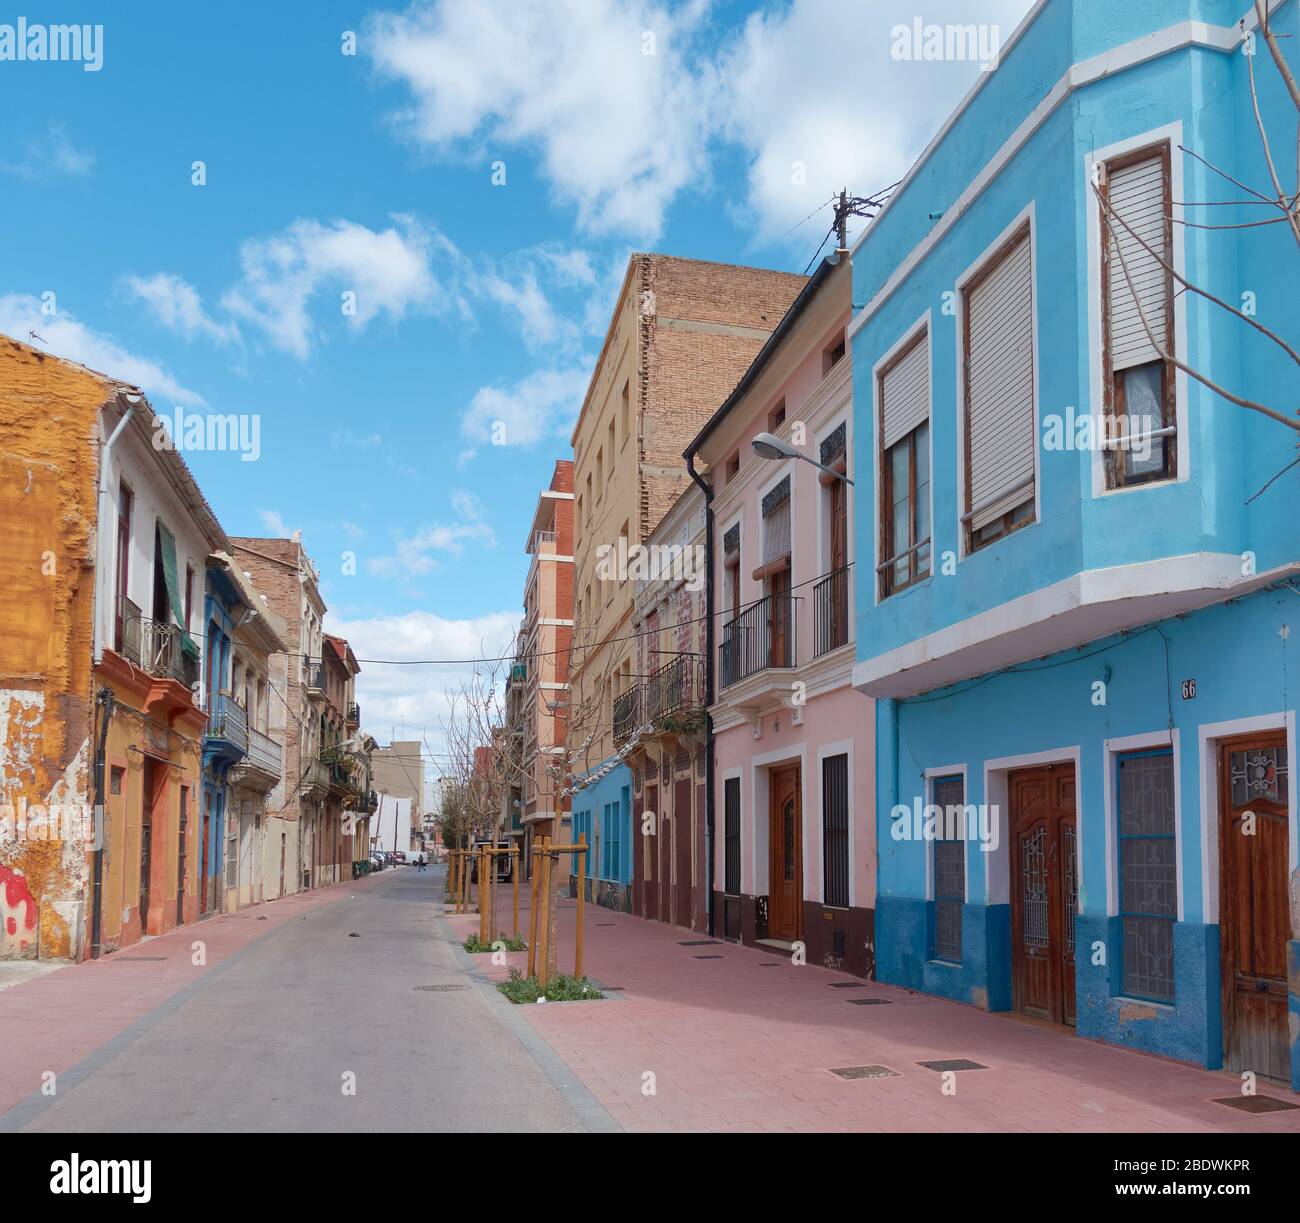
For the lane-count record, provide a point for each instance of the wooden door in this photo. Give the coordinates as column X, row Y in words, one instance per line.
column 779, row 626
column 785, row 839
column 650, row 847
column 665, row 864
column 1044, row 892
column 203, row 851
column 182, row 853
column 1253, row 775
column 146, row 842
column 682, row 850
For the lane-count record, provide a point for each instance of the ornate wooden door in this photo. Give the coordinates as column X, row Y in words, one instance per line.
column 1253, row 910
column 785, row 837
column 1044, row 892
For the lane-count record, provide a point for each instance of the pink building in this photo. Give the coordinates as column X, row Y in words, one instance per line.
column 794, row 848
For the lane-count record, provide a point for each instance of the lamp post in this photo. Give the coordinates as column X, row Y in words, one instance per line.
column 769, row 446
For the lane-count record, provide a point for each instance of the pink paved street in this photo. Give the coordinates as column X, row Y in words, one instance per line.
column 739, row 1039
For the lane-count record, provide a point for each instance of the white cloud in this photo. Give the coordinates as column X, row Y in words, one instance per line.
column 391, row 696
column 798, row 90
column 275, row 524
column 345, row 439
column 53, row 155
column 66, row 336
column 424, row 550
column 619, row 132
column 540, row 406
column 177, row 306
column 387, row 270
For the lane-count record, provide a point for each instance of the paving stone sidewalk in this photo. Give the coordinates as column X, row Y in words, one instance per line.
column 740, row 1039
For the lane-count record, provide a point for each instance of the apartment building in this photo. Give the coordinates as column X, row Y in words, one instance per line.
column 795, row 859
column 282, row 571
column 102, row 683
column 660, row 722
column 1075, row 610
column 540, row 676
column 682, row 333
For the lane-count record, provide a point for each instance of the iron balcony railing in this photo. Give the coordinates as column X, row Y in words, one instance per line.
column 315, row 776
column 354, row 714
column 831, row 612
column 540, row 538
column 761, row 636
column 227, row 720
column 313, row 675
column 677, row 687
column 159, row 650
column 264, row 752
column 627, row 714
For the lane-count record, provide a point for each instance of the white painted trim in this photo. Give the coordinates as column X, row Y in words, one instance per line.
column 1208, row 735
column 1173, row 134
column 997, row 865
column 1077, row 76
column 973, row 269
column 842, row 747
column 921, row 323
column 1198, row 571
column 1112, row 748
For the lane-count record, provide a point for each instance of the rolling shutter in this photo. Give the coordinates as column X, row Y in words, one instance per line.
column 905, row 394
column 1137, row 198
column 1000, row 388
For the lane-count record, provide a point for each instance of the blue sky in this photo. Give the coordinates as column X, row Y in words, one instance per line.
column 621, row 126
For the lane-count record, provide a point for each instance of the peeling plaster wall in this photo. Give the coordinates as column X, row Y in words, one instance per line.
column 48, row 453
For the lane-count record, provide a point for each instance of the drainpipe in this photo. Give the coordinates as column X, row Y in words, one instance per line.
column 105, row 702
column 886, row 771
column 101, row 570
column 709, row 805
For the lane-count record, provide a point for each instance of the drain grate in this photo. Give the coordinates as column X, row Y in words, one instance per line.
column 613, row 989
column 1257, row 1104
column 701, row 942
column 439, row 989
column 865, row 1072
column 847, row 985
column 137, row 959
column 769, row 964
column 708, row 957
column 874, row 1002
column 953, row 1063
column 607, row 923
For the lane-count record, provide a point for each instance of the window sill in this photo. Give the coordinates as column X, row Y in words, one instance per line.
column 936, row 963
column 1131, row 1000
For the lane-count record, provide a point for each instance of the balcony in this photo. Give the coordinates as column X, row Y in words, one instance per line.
column 353, row 718
column 760, row 638
column 313, row 676
column 831, row 612
column 542, row 541
column 519, row 675
column 227, row 729
column 155, row 647
column 627, row 714
column 674, row 695
column 262, row 766
column 315, row 781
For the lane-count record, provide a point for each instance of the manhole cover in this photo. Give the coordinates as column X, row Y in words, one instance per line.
column 700, row 942
column 881, row 1002
column 847, row 985
column 708, row 957
column 440, row 989
column 137, row 959
column 1257, row 1104
column 865, row 1072
column 953, row 1063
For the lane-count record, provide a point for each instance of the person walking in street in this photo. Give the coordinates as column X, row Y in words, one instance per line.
column 419, row 862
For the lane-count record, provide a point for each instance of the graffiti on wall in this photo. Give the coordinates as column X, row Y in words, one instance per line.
column 17, row 916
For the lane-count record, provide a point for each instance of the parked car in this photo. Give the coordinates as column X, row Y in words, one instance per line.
column 377, row 862
column 399, row 855
column 504, row 862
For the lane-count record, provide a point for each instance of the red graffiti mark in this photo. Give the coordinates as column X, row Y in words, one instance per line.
column 16, row 901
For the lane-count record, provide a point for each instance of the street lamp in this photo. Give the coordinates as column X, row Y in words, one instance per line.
column 769, row 446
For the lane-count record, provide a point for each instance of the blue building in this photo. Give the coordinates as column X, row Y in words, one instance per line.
column 602, row 811
column 225, row 740
column 1074, row 601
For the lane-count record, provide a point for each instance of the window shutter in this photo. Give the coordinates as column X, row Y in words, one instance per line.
column 776, row 522
column 1000, row 388
column 1137, row 196
column 905, row 394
